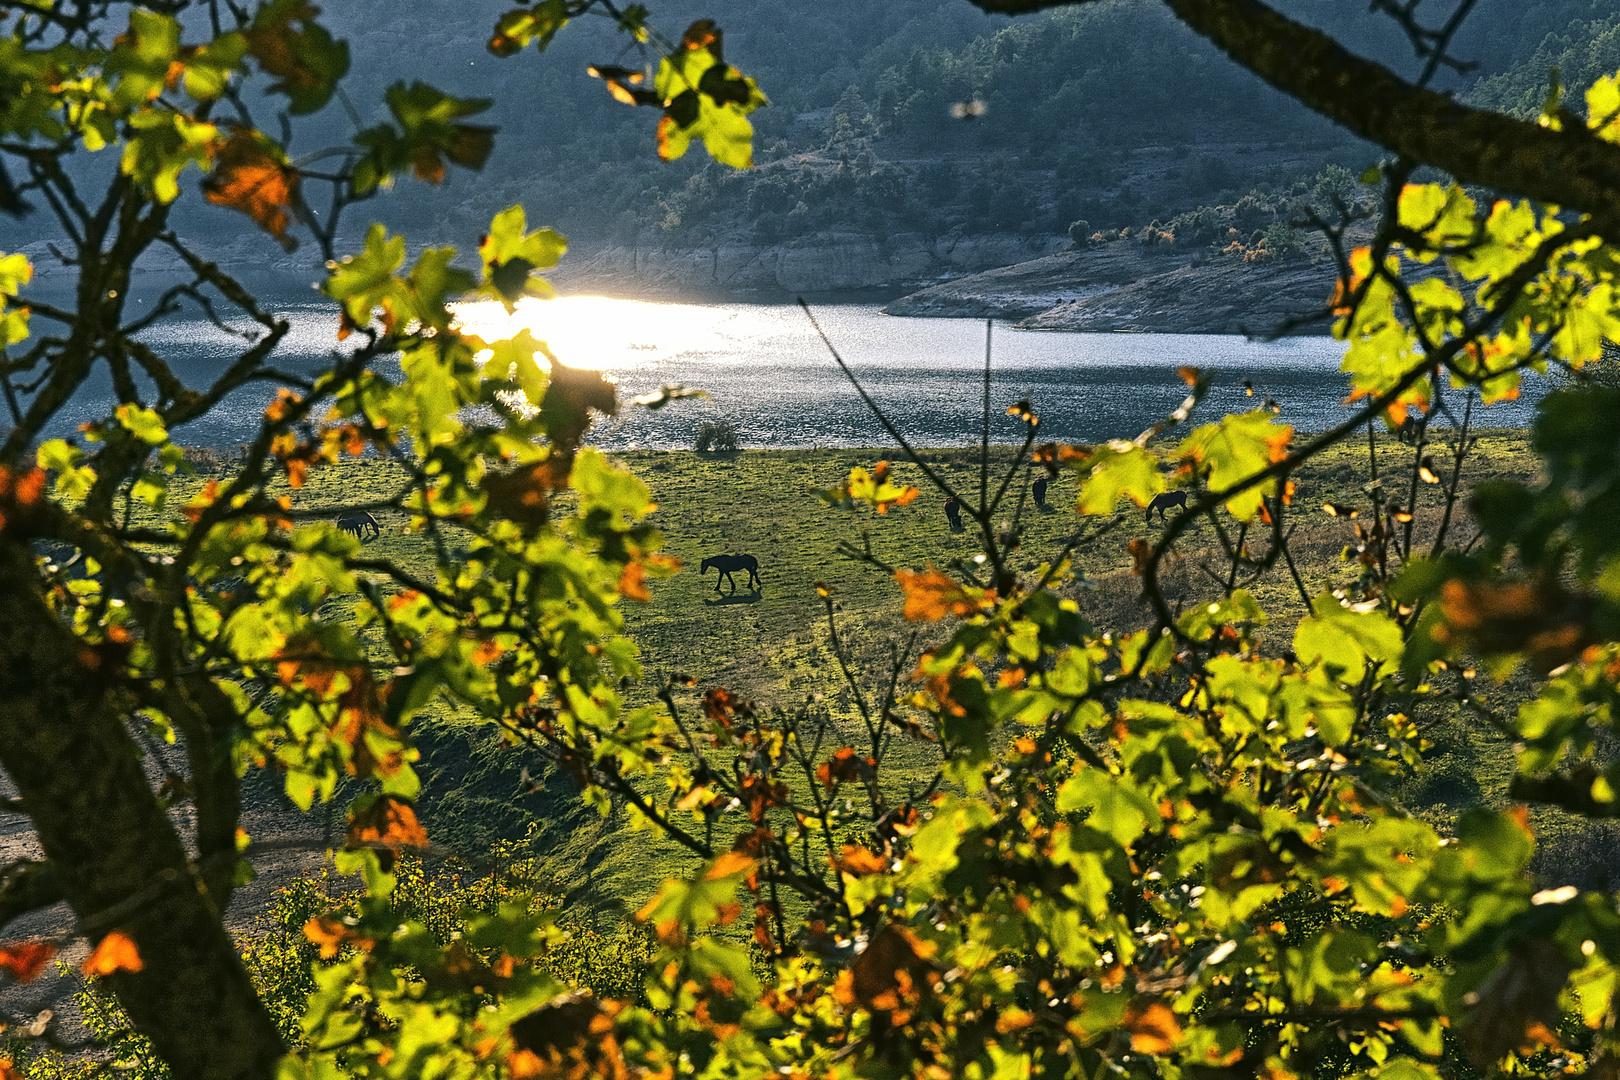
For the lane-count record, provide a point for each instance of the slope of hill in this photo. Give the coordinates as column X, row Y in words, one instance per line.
column 1110, row 112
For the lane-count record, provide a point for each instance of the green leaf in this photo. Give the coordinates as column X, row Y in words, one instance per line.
column 537, row 25
column 1603, row 108
column 1420, row 205
column 361, row 283
column 1116, row 470
column 1404, row 1068
column 873, row 489
column 15, row 272
column 145, row 424
column 700, row 902
column 1235, row 449
column 74, row 479
column 705, row 99
column 209, row 69
column 141, row 58
column 1347, row 642
column 161, row 145
column 1202, row 621
column 511, row 255
column 1117, row 807
column 426, row 133
column 604, row 486
column 514, row 358
column 308, row 62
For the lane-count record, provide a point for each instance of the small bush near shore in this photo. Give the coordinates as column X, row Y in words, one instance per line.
column 714, row 435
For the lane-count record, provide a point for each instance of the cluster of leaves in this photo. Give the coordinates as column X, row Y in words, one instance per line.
column 319, row 920
column 148, row 619
column 1170, row 853
column 1177, row 850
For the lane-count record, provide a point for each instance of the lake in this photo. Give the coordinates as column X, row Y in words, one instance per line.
column 769, row 375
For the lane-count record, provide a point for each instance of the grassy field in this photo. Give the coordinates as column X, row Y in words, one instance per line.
column 772, row 644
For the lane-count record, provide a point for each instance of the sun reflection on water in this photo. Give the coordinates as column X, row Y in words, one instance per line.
column 604, row 334
column 769, row 375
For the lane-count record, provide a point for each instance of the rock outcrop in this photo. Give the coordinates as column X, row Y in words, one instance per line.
column 1226, row 296
column 1123, row 286
column 1028, row 288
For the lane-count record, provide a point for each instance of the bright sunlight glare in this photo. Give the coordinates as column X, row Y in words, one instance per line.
column 600, row 333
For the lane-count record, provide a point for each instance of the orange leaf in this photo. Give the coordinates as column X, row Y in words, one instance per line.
column 22, row 496
column 857, row 861
column 115, row 952
column 202, row 501
column 727, row 865
column 277, row 410
column 931, row 595
column 389, row 822
column 1153, row 1027
column 524, row 494
column 30, row 489
column 24, row 960
column 249, row 179
column 632, row 583
column 1140, row 551
column 326, row 932
column 427, row 165
column 1520, row 814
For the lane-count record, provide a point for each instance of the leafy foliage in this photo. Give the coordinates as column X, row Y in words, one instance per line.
column 1175, row 852
column 198, row 621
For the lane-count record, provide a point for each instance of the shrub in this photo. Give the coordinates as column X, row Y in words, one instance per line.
column 1250, row 211
column 1080, row 232
column 1285, row 242
column 714, row 436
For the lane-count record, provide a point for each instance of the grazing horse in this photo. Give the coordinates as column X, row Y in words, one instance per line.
column 953, row 510
column 1164, row 501
column 1038, row 489
column 725, row 564
column 360, row 524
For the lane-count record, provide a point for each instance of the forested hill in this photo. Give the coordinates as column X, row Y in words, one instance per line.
column 1109, row 112
column 860, row 136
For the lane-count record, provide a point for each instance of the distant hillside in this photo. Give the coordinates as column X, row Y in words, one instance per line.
column 860, row 138
column 1580, row 51
column 1112, row 113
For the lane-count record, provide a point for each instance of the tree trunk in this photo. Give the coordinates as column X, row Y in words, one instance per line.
column 113, row 851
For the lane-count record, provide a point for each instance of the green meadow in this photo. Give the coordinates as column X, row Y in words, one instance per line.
column 775, row 645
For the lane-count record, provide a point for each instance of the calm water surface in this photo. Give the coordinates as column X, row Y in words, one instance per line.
column 770, row 375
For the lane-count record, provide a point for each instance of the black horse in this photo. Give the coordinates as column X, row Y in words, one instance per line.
column 361, row 525
column 1038, row 489
column 728, row 563
column 1164, row 501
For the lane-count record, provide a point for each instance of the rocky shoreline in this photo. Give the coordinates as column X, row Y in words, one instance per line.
column 1125, row 287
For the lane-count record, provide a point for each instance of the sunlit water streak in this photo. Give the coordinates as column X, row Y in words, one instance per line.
column 769, row 375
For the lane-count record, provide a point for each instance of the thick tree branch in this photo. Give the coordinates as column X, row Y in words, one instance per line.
column 25, row 887
column 113, row 852
column 1570, row 168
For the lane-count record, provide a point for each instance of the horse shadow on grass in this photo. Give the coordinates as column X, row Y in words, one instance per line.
column 751, row 597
